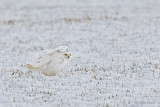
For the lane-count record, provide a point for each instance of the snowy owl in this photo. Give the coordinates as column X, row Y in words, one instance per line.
column 52, row 63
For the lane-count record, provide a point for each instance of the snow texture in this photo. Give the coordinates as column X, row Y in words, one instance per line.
column 115, row 46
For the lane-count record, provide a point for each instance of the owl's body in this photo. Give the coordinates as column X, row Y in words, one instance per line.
column 52, row 63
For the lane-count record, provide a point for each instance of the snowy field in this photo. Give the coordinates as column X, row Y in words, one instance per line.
column 115, row 46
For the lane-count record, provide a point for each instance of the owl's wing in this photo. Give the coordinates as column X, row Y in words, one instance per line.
column 42, row 60
column 51, row 54
column 55, row 58
column 40, row 64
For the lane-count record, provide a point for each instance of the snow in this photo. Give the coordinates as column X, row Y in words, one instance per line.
column 115, row 47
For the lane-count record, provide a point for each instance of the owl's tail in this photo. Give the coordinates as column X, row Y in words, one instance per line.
column 32, row 67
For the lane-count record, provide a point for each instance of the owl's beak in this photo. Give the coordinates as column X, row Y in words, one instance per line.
column 68, row 57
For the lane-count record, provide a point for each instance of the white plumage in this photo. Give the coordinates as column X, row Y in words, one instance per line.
column 52, row 63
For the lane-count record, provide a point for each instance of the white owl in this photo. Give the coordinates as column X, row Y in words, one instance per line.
column 52, row 63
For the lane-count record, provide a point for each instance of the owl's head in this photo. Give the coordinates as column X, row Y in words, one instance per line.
column 67, row 55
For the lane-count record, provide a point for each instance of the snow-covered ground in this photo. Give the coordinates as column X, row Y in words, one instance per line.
column 115, row 46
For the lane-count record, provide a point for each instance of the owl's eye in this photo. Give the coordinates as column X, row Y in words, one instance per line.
column 65, row 54
column 70, row 54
